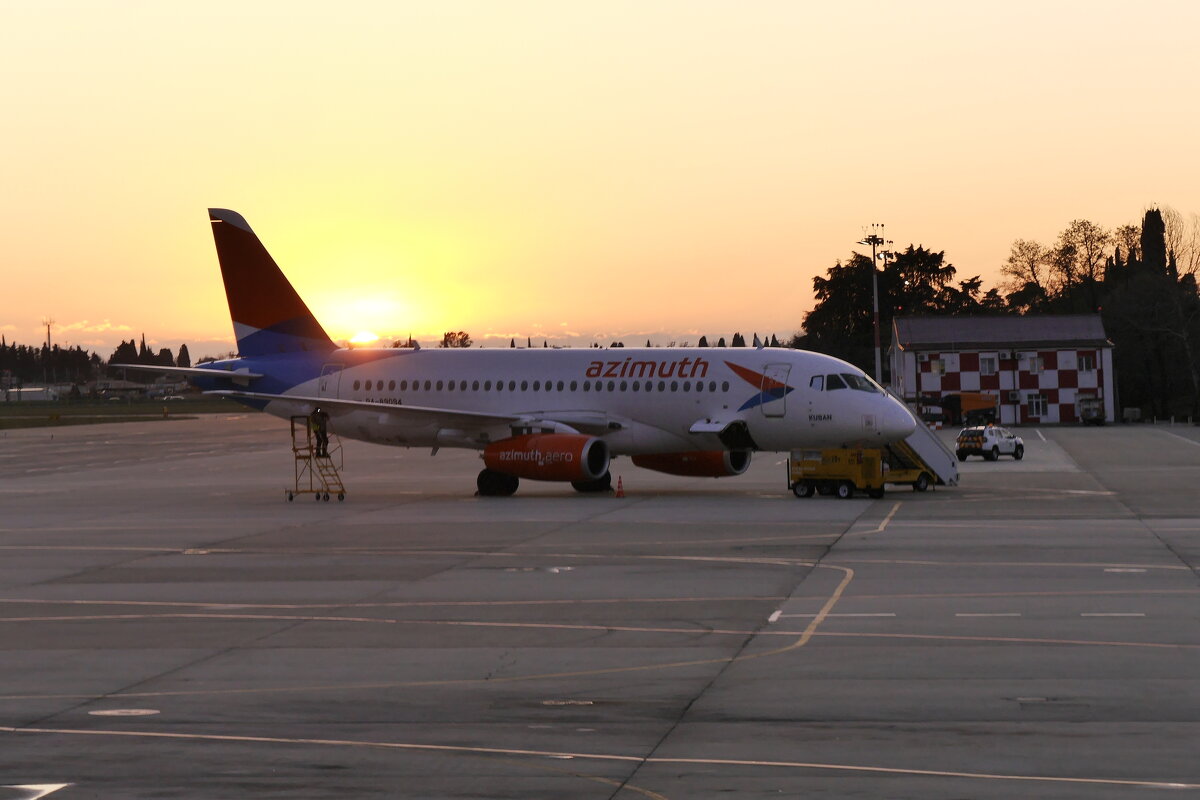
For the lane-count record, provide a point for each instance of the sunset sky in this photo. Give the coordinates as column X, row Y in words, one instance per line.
column 566, row 169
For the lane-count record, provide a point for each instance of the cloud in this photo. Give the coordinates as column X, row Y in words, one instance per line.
column 87, row 326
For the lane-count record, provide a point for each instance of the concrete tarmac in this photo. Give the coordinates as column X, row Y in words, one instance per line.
column 172, row 627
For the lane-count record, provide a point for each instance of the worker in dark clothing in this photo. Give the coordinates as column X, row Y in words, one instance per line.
column 320, row 428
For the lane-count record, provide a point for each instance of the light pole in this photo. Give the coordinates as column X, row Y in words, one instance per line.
column 875, row 239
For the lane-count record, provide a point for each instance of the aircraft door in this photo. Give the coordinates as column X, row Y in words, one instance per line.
column 331, row 379
column 775, row 389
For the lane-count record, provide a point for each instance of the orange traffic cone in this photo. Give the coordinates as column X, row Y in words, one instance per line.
column 620, row 488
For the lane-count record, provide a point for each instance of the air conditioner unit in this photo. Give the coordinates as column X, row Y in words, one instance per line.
column 1014, row 396
column 923, row 357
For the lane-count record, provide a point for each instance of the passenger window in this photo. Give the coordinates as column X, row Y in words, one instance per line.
column 524, row 386
column 403, row 385
column 712, row 386
column 724, row 386
column 537, row 385
column 428, row 385
column 612, row 385
column 560, row 386
column 637, row 385
column 699, row 386
column 624, row 386
column 439, row 386
column 574, row 385
column 356, row 385
column 512, row 386
column 662, row 386
column 391, row 386
column 474, row 386
column 587, row 385
column 487, row 386
column 674, row 386
column 817, row 383
column 833, row 383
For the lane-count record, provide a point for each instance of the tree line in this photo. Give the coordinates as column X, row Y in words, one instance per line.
column 22, row 364
column 1141, row 279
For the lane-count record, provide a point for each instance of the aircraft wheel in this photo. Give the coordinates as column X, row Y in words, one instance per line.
column 325, row 497
column 496, row 484
column 601, row 484
column 317, row 497
column 845, row 490
column 341, row 496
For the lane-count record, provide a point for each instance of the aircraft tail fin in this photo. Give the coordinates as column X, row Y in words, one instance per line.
column 268, row 315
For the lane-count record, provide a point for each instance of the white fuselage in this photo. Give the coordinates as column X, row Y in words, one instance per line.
column 644, row 400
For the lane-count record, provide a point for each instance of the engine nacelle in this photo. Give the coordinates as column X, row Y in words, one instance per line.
column 549, row 457
column 698, row 464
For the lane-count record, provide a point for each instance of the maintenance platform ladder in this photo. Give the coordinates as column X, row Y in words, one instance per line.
column 314, row 474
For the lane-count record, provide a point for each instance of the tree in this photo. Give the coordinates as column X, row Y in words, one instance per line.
column 703, row 342
column 774, row 341
column 184, row 359
column 738, row 341
column 721, row 342
column 455, row 339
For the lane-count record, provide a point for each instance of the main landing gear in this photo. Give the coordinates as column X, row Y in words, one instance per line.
column 601, row 484
column 496, row 484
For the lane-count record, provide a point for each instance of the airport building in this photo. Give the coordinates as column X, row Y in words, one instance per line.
column 1043, row 369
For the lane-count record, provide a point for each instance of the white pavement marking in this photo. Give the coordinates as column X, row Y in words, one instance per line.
column 1040, row 436
column 775, row 616
column 1113, row 614
column 791, row 615
column 998, row 614
column 1181, row 438
column 38, row 789
column 1119, row 569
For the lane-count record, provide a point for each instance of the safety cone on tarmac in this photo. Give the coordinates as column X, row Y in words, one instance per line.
column 620, row 488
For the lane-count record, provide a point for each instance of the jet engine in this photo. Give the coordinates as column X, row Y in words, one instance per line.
column 549, row 457
column 698, row 464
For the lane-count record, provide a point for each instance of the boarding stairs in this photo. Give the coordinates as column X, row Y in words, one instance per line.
column 923, row 449
column 319, row 475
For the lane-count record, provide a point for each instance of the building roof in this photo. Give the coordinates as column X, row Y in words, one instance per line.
column 977, row 333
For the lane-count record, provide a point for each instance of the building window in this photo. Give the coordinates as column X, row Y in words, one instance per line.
column 1086, row 362
column 1037, row 404
column 987, row 365
column 937, row 366
column 1035, row 365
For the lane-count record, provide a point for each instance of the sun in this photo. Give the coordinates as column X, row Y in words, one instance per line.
column 364, row 338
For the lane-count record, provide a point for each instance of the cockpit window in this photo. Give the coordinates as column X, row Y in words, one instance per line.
column 860, row 382
column 817, row 383
column 833, row 382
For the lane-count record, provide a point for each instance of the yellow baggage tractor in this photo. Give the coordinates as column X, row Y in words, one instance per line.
column 842, row 472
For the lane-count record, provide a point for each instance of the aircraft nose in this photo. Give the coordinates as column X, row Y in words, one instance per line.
column 898, row 422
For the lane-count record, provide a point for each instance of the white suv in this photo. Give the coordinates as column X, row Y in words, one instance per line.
column 989, row 441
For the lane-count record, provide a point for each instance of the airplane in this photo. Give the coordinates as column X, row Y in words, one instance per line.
column 541, row 414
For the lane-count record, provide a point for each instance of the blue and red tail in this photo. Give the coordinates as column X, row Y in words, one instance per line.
column 268, row 316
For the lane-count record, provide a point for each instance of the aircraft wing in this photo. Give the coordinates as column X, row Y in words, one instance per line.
column 413, row 413
column 239, row 374
column 577, row 421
